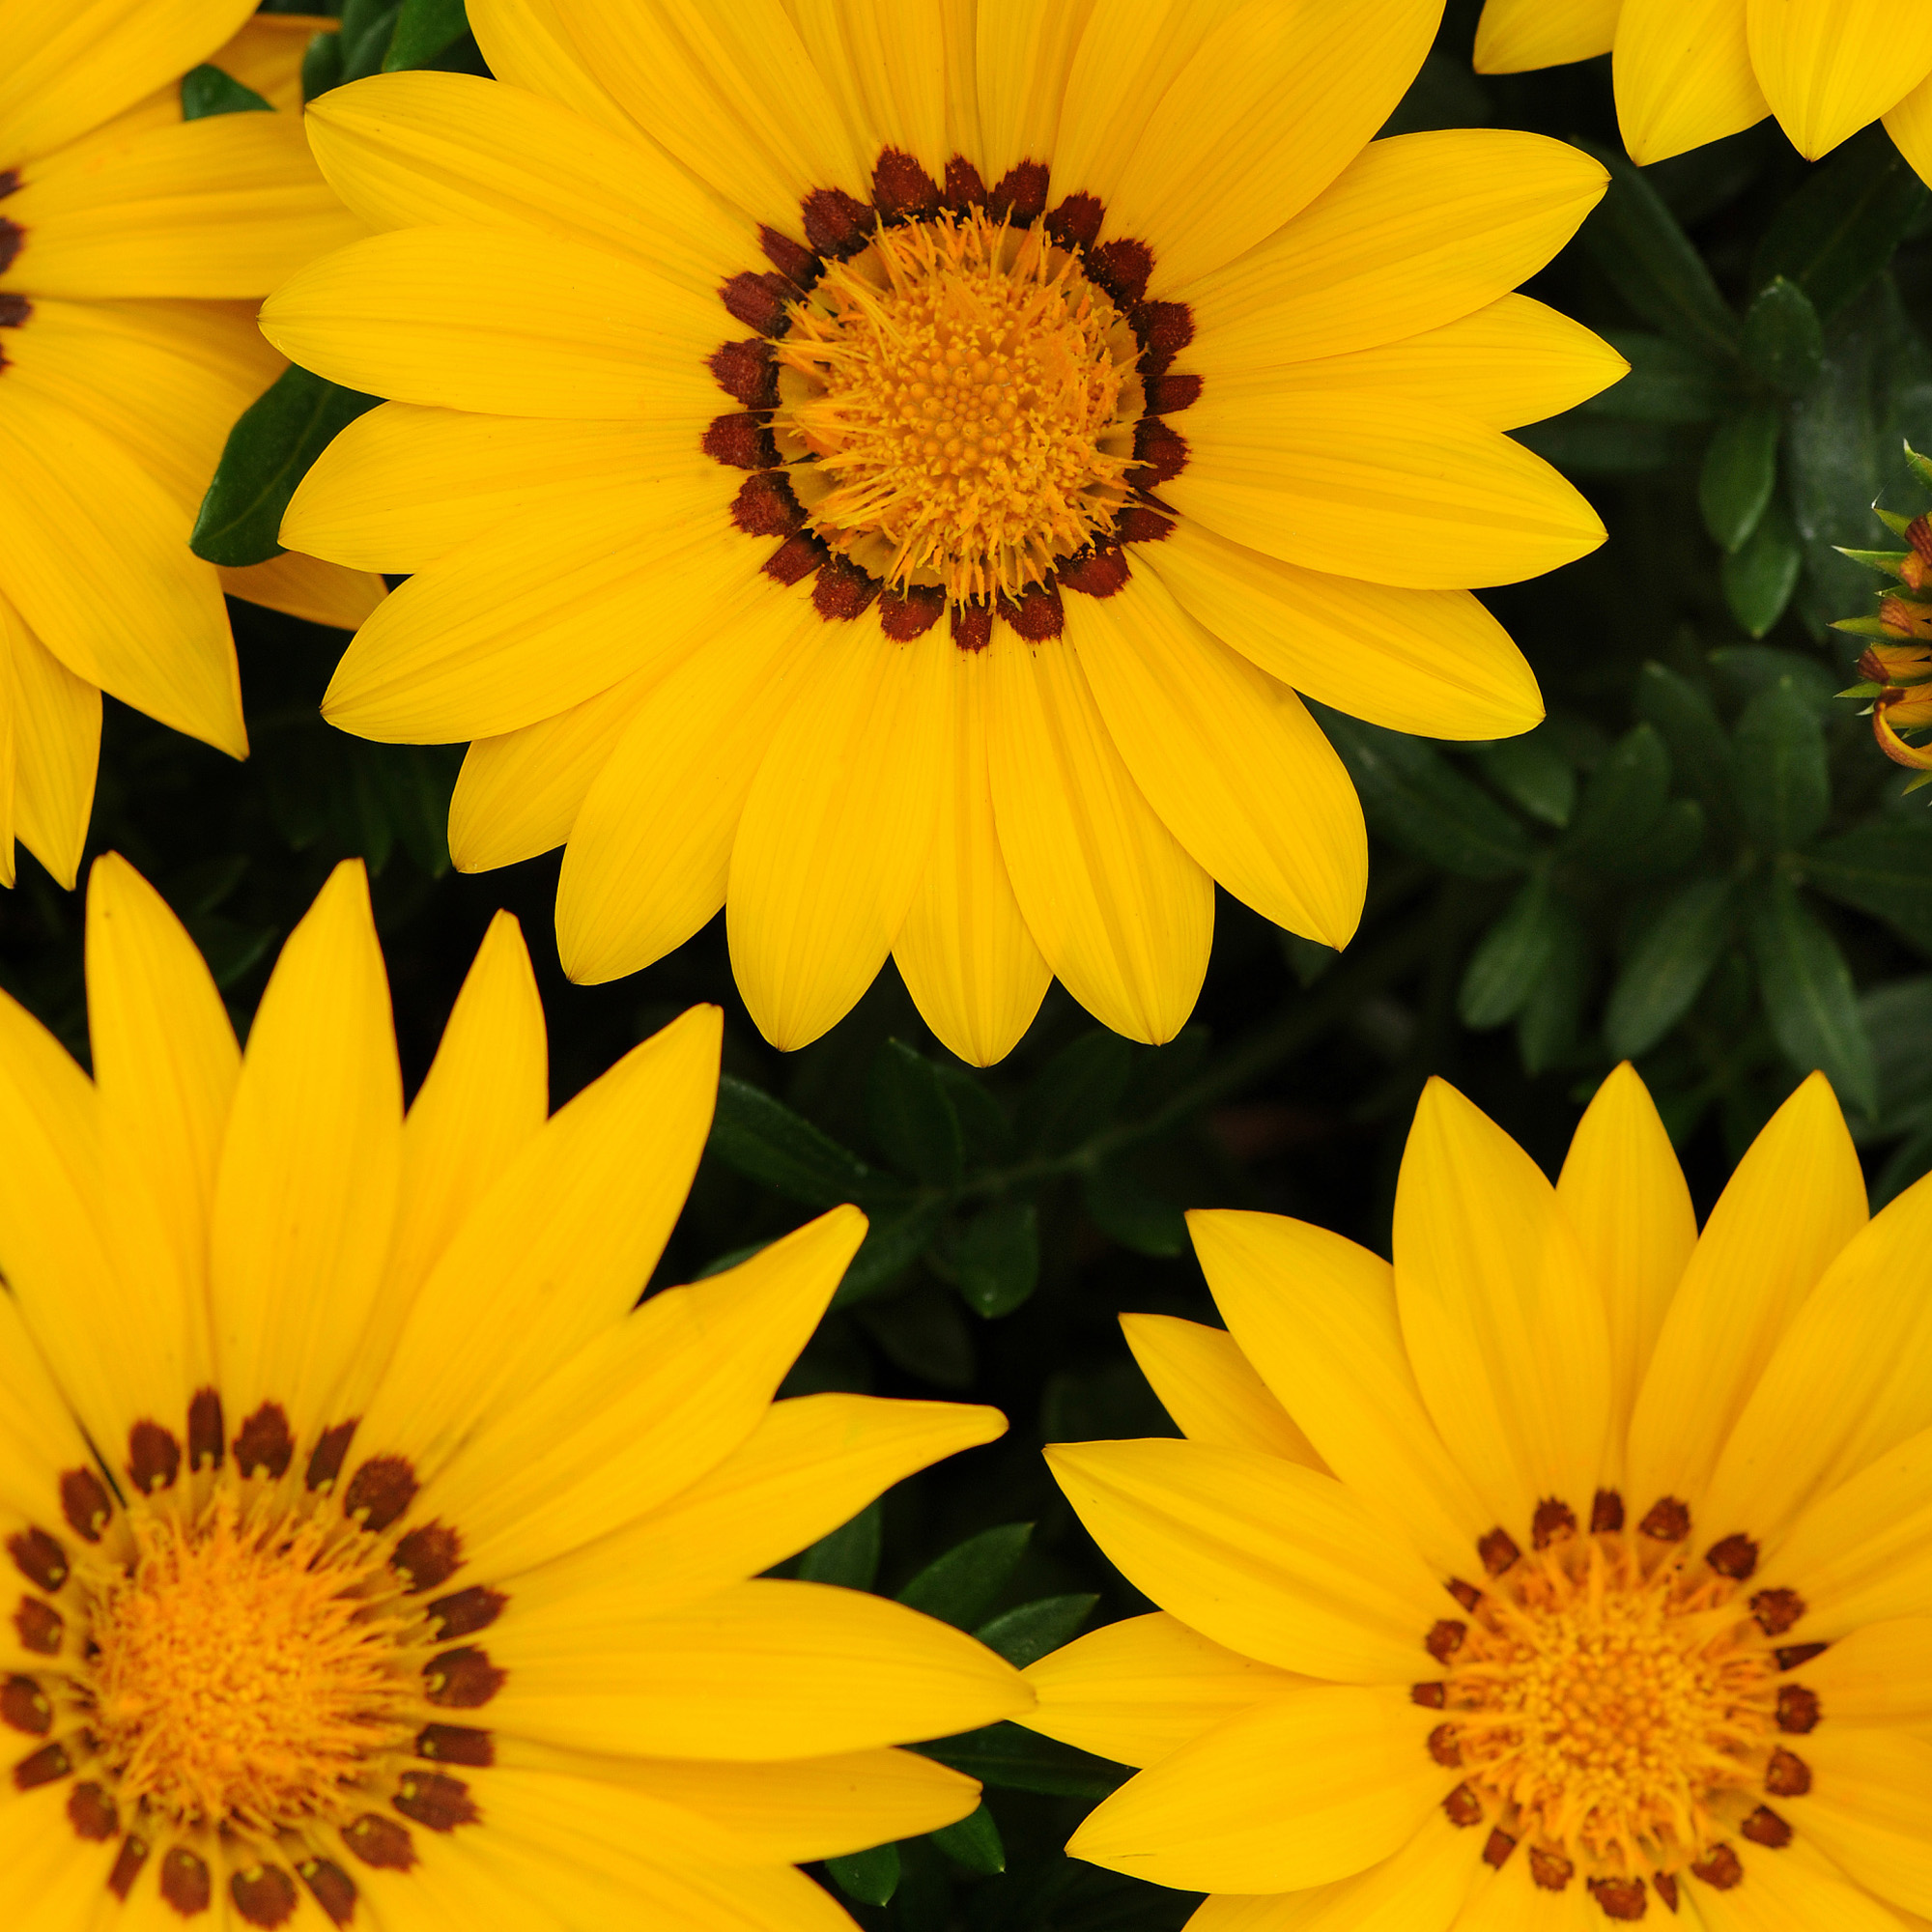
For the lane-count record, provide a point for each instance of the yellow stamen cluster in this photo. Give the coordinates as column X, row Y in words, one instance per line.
column 1609, row 1703
column 957, row 406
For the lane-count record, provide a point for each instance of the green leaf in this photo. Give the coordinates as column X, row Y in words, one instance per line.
column 762, row 1138
column 1784, row 340
column 367, row 28
column 205, row 90
column 1667, row 968
column 987, row 1133
column 1667, row 384
column 891, row 1244
column 914, row 1122
column 1700, row 750
column 1739, row 474
column 974, row 1843
column 1504, row 968
column 961, row 1586
column 1547, row 1029
column 1418, row 801
column 1744, row 670
column 1840, row 230
column 1676, row 841
column 1882, row 868
column 1582, row 444
column 1760, row 579
column 1009, row 1759
column 1076, row 1093
column 1025, row 1634
column 268, row 453
column 995, row 1262
column 1535, row 775
column 1784, row 791
column 423, row 29
column 1636, row 240
column 849, row 1556
column 1898, row 1021
column 1121, row 1205
column 322, row 63
column 1910, row 1161
column 870, row 1877
column 1623, row 799
column 1890, row 561
column 1809, row 996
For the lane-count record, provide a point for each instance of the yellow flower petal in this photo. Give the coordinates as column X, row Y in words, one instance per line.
column 888, row 68
column 525, row 44
column 56, row 731
column 762, row 1671
column 1211, row 1390
column 1797, row 1198
column 1624, row 1196
column 1026, row 49
column 9, row 704
column 265, row 54
column 1780, row 1890
column 1137, row 1691
column 1260, row 1555
column 1513, row 36
column 1309, row 1787
column 1832, row 67
column 556, row 1251
column 1416, row 232
column 836, row 828
column 221, row 207
column 1503, row 1316
column 1357, row 482
column 307, row 587
column 1684, row 75
column 650, row 850
column 1433, row 662
column 1273, row 105
column 1909, row 125
column 1121, row 912
column 1317, row 1316
column 306, row 1198
column 1870, row 1808
column 1235, row 766
column 98, row 563
column 967, row 960
column 1880, row 1675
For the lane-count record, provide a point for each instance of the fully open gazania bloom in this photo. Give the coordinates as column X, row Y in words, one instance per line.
column 1694, row 70
column 130, row 243
column 878, row 465
column 370, row 1563
column 1578, row 1566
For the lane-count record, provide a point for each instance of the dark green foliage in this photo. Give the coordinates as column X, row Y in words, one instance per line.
column 205, row 90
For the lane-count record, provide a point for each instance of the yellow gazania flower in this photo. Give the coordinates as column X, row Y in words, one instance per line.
column 1592, row 1577
column 372, row 1563
column 130, row 245
column 737, row 348
column 1689, row 71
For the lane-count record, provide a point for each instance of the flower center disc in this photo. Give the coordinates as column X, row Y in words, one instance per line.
column 956, row 405
column 245, row 1671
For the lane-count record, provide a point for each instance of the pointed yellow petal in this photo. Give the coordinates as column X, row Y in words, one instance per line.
column 96, row 562
column 556, row 1251
column 525, row 45
column 1274, row 104
column 1869, row 1808
column 763, row 1670
column 1624, row 1196
column 1306, row 1788
column 1433, row 662
column 1317, row 1316
column 1119, row 911
column 1370, row 486
column 1909, row 125
column 1684, row 75
column 1260, row 1555
column 1880, row 1675
column 306, row 1195
column 1789, row 1891
column 1832, row 67
column 1417, row 231
column 967, row 958
column 1515, row 36
column 1026, row 49
column 307, row 587
column 9, row 707
column 1503, row 1318
column 1211, row 1390
column 887, row 67
column 56, row 728
column 1796, row 1199
column 265, row 54
column 837, row 827
column 1235, row 766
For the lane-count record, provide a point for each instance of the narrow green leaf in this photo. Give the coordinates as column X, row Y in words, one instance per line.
column 1534, row 774
column 1011, row 1759
column 983, row 1125
column 1675, row 841
column 1739, row 474
column 322, row 63
column 1668, row 382
column 870, row 1877
column 1784, row 791
column 1123, row 1205
column 268, row 453
column 1026, row 1633
column 1582, row 444
column 1760, row 579
column 1922, row 469
column 367, row 28
column 762, row 1138
column 1700, row 748
column 424, row 28
column 1547, row 1029
column 1890, row 561
column 1512, row 958
column 1667, row 968
column 1622, row 798
column 849, row 1556
column 1882, row 868
column 205, row 90
column 963, row 1585
column 996, row 1263
column 1076, row 1093
column 1784, row 340
column 914, row 1122
column 974, row 1843
column 891, row 1244
column 1809, row 997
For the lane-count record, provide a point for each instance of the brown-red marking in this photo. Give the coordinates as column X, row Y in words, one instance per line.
column 153, row 1458
column 264, row 1896
column 428, row 1555
column 85, row 1503
column 330, row 1886
column 462, row 1679
column 207, row 1434
column 430, row 1799
column 330, row 1452
column 41, row 1626
column 380, row 1492
column 264, row 1444
column 464, row 1612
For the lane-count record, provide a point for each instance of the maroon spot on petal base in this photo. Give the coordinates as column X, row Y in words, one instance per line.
column 1549, row 1871
column 1445, row 1745
column 1445, row 1639
column 1666, row 1888
column 92, row 1813
column 796, row 557
column 380, row 1842
column 1620, row 1897
column 963, row 187
column 902, row 189
column 467, row 1611
column 1430, row 1696
column 1121, row 268
column 909, row 614
column 207, row 1433
column 185, row 1882
column 1497, row 1550
column 1553, row 1521
column 428, row 1556
column 1462, row 1807
column 330, row 1452
column 1668, row 1521
column 745, row 372
column 46, row 1766
column 1787, row 1774
column 1764, row 1827
column 1095, row 573
column 264, row 1896
column 132, row 1856
column 1607, row 1513
column 765, row 507
column 1777, row 1610
column 330, row 1886
column 741, row 442
column 38, row 1558
column 1172, row 393
column 1076, row 221
column 842, row 590
column 1798, row 1709
column 380, row 1492
column 264, row 1446
column 12, row 236
column 153, row 1458
column 1721, row 1870
column 85, row 1503
column 1165, row 329
column 835, row 223
column 1495, row 1854
column 40, row 1626
column 793, row 259
column 23, row 1707
column 9, row 180
column 1020, row 193
column 456, row 1743
column 1735, row 1556
column 1160, row 451
column 972, row 626
column 1037, row 615
column 1137, row 524
column 429, row 1799
column 462, row 1680
column 759, row 302
column 1791, row 1655
column 13, row 309
column 1466, row 1594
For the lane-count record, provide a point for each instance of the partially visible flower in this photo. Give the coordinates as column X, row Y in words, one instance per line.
column 133, row 246
column 1896, row 667
column 1689, row 71
column 375, row 1561
column 1575, row 1568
